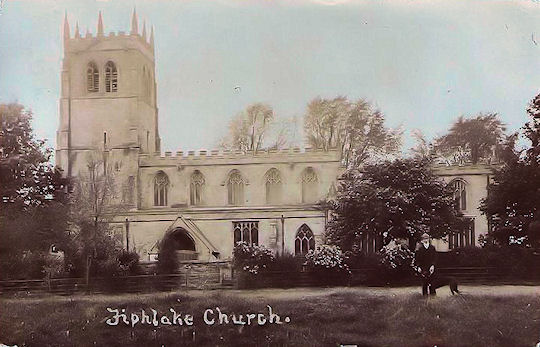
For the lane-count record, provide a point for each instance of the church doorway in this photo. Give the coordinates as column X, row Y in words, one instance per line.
column 182, row 244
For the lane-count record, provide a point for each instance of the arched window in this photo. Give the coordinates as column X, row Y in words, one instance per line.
column 304, row 240
column 309, row 185
column 111, row 77
column 161, row 185
column 273, row 186
column 196, row 188
column 235, row 188
column 92, row 78
column 460, row 194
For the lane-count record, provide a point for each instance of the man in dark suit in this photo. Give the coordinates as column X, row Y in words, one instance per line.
column 425, row 259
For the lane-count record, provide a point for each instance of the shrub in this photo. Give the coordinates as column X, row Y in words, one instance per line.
column 358, row 260
column 128, row 263
column 512, row 260
column 396, row 256
column 396, row 260
column 22, row 265
column 54, row 267
column 327, row 257
column 167, row 260
column 252, row 259
column 288, row 263
column 327, row 264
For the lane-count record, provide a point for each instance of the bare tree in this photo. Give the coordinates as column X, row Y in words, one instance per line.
column 284, row 133
column 423, row 148
column 322, row 121
column 94, row 205
column 248, row 129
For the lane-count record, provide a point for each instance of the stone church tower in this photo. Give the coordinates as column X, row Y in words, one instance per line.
column 108, row 101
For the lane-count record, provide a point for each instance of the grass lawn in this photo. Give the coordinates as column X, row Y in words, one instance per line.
column 318, row 317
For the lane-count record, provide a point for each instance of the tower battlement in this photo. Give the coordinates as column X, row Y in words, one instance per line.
column 79, row 42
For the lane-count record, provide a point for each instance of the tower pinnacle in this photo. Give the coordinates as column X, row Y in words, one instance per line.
column 152, row 37
column 77, row 33
column 144, row 31
column 134, row 23
column 100, row 25
column 66, row 28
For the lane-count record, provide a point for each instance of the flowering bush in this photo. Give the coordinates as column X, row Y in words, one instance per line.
column 251, row 259
column 327, row 257
column 396, row 256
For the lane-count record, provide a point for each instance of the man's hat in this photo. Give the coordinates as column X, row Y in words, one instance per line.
column 424, row 236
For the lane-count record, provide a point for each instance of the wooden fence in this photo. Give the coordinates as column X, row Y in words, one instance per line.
column 210, row 277
column 192, row 275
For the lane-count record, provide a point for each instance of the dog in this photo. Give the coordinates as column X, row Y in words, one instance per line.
column 439, row 281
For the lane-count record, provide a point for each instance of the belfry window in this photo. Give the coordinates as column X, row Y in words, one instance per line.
column 304, row 240
column 235, row 188
column 161, row 186
column 92, row 78
column 309, row 185
column 111, row 77
column 196, row 188
column 273, row 187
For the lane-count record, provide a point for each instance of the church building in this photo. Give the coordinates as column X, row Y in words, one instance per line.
column 201, row 201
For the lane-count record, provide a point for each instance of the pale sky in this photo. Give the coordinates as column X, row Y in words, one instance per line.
column 423, row 63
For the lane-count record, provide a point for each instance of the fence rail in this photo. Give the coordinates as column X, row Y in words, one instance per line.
column 195, row 275
column 210, row 277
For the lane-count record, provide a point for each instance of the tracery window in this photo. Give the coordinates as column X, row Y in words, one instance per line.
column 309, row 185
column 273, row 186
column 464, row 238
column 246, row 232
column 111, row 77
column 196, row 188
column 460, row 194
column 304, row 240
column 92, row 78
column 161, row 186
column 235, row 188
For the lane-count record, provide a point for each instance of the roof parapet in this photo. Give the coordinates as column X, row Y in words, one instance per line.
column 230, row 154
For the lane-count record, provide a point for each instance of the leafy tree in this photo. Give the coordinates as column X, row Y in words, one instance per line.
column 512, row 202
column 392, row 199
column 34, row 205
column 513, row 198
column 353, row 127
column 532, row 131
column 28, row 178
column 471, row 139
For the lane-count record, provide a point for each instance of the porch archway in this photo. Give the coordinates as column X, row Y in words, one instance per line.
column 181, row 243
